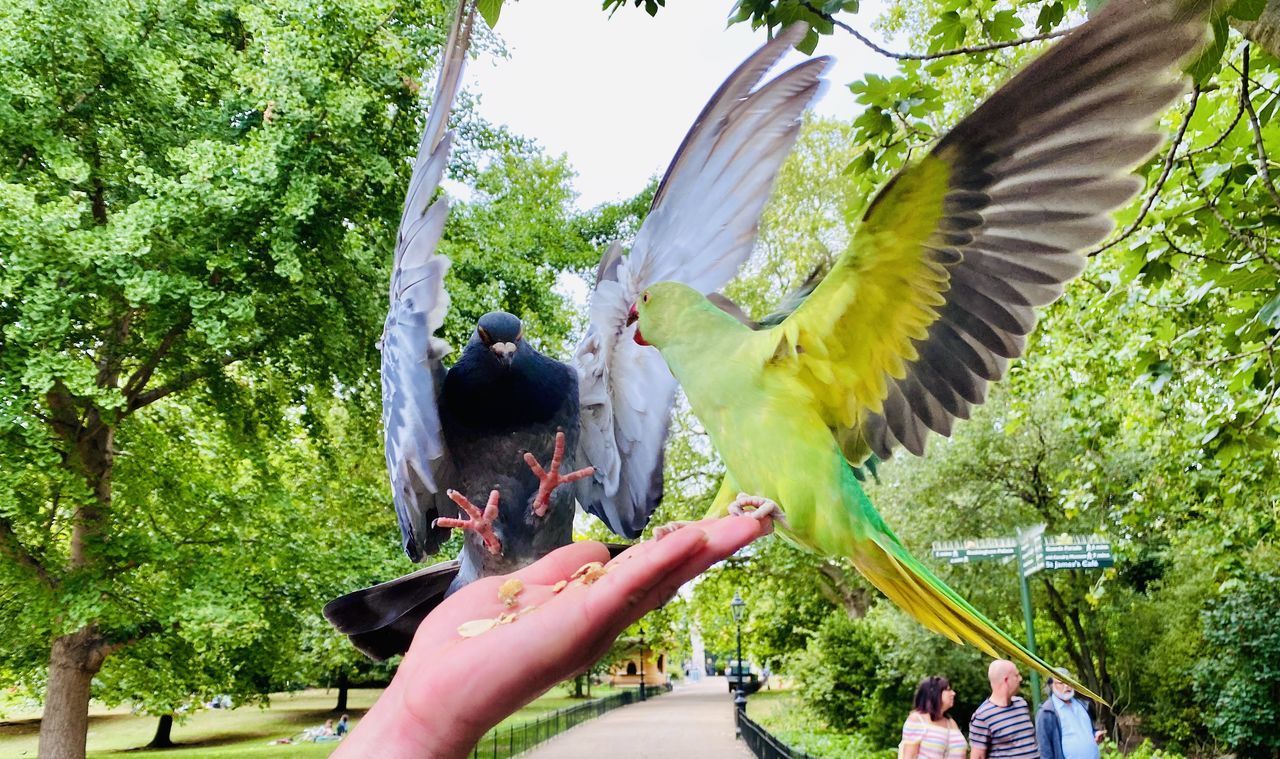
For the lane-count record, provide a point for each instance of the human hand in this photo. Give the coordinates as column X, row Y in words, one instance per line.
column 1099, row 736
column 450, row 690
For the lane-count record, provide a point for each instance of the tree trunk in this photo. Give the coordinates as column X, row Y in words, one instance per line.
column 343, row 685
column 73, row 662
column 76, row 657
column 164, row 733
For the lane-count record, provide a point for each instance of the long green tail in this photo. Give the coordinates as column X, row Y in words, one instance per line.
column 910, row 584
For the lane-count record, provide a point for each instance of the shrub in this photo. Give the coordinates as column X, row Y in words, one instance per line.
column 1238, row 682
column 847, row 678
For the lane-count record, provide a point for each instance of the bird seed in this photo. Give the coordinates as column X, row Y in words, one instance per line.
column 508, row 591
column 476, row 627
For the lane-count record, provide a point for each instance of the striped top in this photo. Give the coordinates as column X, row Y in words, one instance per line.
column 936, row 741
column 1005, row 732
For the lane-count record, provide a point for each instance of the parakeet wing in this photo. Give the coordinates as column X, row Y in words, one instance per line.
column 699, row 231
column 939, row 288
column 411, row 370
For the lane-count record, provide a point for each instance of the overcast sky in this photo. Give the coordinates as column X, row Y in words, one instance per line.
column 617, row 94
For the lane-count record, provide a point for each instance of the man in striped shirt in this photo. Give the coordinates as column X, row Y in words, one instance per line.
column 1001, row 727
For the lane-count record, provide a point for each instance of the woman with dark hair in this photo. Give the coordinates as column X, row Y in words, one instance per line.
column 928, row 732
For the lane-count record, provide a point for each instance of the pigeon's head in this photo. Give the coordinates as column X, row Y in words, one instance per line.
column 501, row 333
column 660, row 311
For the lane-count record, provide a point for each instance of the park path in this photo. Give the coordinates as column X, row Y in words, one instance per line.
column 696, row 719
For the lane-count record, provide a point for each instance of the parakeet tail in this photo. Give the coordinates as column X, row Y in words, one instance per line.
column 911, row 585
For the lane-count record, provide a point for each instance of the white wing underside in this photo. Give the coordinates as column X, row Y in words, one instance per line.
column 411, row 354
column 700, row 230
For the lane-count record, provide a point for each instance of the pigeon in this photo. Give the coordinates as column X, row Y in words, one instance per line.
column 479, row 432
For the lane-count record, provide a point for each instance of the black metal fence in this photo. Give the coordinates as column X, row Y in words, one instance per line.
column 511, row 740
column 761, row 742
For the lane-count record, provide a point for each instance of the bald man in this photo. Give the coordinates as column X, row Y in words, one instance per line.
column 1001, row 727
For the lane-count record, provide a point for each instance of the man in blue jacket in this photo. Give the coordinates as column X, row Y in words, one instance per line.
column 1064, row 725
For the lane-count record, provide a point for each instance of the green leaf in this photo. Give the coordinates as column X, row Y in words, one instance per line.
column 1210, row 61
column 809, row 43
column 1050, row 16
column 1270, row 313
column 1004, row 26
column 1247, row 10
column 948, row 32
column 1158, row 375
column 490, row 9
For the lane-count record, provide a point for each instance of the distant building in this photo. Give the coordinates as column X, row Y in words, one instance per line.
column 626, row 671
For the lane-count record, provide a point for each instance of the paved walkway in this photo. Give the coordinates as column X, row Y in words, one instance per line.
column 695, row 720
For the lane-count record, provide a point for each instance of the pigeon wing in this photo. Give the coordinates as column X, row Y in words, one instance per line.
column 700, row 230
column 417, row 460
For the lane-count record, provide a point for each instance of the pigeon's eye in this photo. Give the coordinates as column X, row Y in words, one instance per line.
column 645, row 298
column 520, row 336
column 484, row 335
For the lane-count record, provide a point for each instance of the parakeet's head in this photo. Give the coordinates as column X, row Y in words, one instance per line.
column 657, row 314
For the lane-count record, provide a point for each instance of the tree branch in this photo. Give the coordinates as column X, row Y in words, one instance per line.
column 942, row 53
column 142, row 375
column 1260, row 151
column 1244, row 95
column 12, row 547
column 180, row 383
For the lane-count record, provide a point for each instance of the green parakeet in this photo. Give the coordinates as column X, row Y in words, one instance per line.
column 935, row 294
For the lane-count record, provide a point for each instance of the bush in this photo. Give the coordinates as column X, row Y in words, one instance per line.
column 1145, row 751
column 848, row 679
column 1238, row 681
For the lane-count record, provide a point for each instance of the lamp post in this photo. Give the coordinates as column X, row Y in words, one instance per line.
column 739, row 607
column 642, row 697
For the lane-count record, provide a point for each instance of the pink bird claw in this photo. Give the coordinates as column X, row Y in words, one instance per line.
column 479, row 522
column 551, row 478
column 760, row 508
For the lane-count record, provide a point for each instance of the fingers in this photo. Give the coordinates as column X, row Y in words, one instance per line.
column 563, row 562
column 633, row 575
column 724, row 537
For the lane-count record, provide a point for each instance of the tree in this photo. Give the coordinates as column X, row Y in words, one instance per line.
column 199, row 204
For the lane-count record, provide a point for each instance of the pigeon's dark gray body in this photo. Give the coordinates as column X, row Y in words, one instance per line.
column 467, row 428
column 491, row 413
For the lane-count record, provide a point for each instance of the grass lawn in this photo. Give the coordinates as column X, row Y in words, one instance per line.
column 784, row 716
column 229, row 733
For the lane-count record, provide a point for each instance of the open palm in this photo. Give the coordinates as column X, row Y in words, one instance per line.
column 450, row 689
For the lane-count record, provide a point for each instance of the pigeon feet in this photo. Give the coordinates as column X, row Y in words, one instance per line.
column 480, row 522
column 552, row 479
column 761, row 507
column 663, row 530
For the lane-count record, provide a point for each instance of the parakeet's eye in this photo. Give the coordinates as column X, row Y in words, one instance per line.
column 645, row 298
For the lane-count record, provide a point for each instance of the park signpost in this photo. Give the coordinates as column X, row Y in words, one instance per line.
column 1034, row 552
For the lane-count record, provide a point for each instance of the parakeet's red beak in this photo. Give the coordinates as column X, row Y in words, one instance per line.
column 632, row 316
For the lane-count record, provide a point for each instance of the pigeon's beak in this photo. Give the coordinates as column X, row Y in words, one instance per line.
column 504, row 351
column 632, row 317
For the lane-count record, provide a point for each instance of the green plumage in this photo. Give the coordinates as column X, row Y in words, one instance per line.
column 935, row 295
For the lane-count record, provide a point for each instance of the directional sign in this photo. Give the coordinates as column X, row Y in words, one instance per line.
column 1034, row 552
column 1077, row 552
column 965, row 551
column 1031, row 550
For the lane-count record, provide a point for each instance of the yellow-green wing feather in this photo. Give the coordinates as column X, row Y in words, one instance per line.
column 939, row 288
